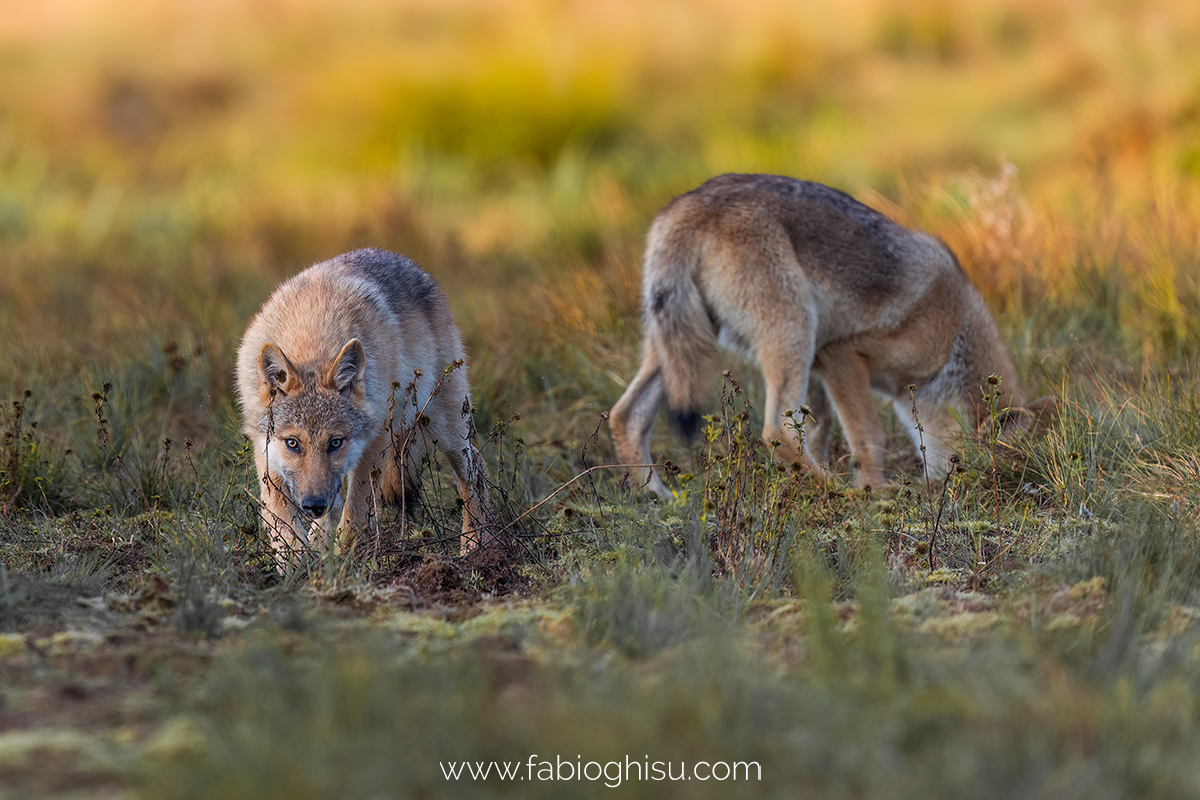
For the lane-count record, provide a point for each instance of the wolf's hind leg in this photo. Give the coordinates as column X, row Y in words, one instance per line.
column 632, row 419
column 786, row 373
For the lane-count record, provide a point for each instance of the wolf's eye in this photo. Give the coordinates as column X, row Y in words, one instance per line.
column 335, row 443
column 292, row 443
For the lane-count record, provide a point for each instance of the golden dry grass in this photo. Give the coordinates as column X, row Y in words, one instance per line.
column 489, row 136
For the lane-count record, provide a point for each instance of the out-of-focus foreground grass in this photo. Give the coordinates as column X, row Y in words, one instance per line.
column 1031, row 631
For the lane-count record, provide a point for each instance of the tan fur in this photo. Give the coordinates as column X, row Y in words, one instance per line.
column 332, row 374
column 806, row 281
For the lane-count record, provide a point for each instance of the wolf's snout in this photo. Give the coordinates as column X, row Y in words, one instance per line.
column 314, row 507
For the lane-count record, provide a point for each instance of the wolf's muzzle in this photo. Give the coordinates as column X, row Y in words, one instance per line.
column 314, row 507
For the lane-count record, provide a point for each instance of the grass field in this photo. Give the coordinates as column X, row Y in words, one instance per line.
column 1029, row 628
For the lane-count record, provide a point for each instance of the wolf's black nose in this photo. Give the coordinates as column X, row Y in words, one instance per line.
column 314, row 507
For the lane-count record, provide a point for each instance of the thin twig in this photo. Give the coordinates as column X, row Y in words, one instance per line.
column 583, row 474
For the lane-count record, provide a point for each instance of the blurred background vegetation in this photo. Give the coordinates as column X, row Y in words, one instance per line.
column 164, row 164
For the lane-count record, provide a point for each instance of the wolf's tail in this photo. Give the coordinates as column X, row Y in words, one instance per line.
column 680, row 326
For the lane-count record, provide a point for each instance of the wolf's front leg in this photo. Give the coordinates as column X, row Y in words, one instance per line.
column 363, row 490
column 479, row 519
column 848, row 380
column 286, row 528
column 281, row 528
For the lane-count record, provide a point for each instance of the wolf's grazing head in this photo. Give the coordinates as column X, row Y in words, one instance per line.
column 314, row 426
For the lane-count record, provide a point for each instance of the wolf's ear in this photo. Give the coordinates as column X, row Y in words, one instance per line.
column 275, row 372
column 347, row 370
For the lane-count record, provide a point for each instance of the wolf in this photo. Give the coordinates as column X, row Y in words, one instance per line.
column 346, row 370
column 816, row 288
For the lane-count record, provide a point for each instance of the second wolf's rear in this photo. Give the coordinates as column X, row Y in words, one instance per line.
column 805, row 280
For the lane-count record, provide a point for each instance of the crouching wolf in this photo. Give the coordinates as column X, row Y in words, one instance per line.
column 807, row 281
column 336, row 373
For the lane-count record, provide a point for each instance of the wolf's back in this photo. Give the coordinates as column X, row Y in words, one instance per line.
column 403, row 284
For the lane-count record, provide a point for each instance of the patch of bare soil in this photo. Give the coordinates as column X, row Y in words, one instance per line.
column 491, row 571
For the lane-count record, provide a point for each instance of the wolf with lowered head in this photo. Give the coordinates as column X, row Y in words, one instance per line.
column 810, row 283
column 343, row 375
